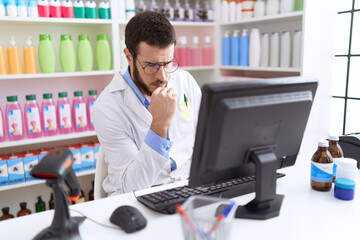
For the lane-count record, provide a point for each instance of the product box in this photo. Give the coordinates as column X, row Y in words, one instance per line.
column 96, row 152
column 4, row 176
column 15, row 169
column 30, row 160
column 75, row 150
column 87, row 156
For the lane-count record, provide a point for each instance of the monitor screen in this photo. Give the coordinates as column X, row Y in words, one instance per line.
column 251, row 127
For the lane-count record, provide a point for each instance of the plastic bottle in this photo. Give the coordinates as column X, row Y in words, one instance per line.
column 103, row 53
column 90, row 103
column 226, row 49
column 79, row 9
column 67, row 54
column 235, row 48
column 32, row 9
column 183, row 52
column 51, row 201
column 259, row 8
column 178, row 11
column 46, row 54
column 208, row 12
column 11, row 8
column 208, row 52
column 23, row 210
column 272, row 7
column 285, row 50
column 64, row 114
column 3, row 67
column 247, row 9
column 43, row 8
column 189, row 13
column 90, row 9
column 238, row 10
column 49, row 117
column 296, row 49
column 6, row 215
column 2, row 9
column 85, row 53
column 40, row 205
column 91, row 192
column 254, row 48
column 21, row 8
column 232, row 10
column 32, row 117
column 29, row 54
column 13, row 57
column 123, row 60
column 104, row 10
column 14, row 119
column 225, row 11
column 335, row 151
column 299, row 5
column 55, row 8
column 2, row 127
column 67, row 9
column 153, row 7
column 286, row 6
column 244, row 48
column 264, row 56
column 79, row 112
column 141, row 7
column 198, row 12
column 168, row 11
column 346, row 168
column 274, row 50
column 195, row 52
column 321, row 176
column 121, row 11
column 129, row 9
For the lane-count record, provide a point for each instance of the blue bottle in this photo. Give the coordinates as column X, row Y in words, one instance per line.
column 226, row 49
column 235, row 48
column 244, row 48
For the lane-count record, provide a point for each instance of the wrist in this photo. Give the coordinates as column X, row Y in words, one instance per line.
column 159, row 130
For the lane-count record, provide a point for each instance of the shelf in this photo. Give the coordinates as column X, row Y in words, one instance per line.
column 196, row 68
column 262, row 69
column 47, row 139
column 48, row 20
column 37, row 182
column 56, row 75
column 273, row 19
column 184, row 24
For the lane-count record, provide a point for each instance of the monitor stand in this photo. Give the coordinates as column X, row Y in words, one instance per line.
column 266, row 203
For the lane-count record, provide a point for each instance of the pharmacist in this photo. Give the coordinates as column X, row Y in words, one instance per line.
column 146, row 118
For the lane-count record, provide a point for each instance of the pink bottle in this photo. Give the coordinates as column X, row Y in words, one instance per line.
column 49, row 119
column 79, row 112
column 67, row 9
column 55, row 8
column 64, row 114
column 2, row 127
column 14, row 119
column 208, row 52
column 183, row 51
column 195, row 53
column 32, row 117
column 43, row 8
column 90, row 103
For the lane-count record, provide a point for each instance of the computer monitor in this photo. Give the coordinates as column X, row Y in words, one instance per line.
column 251, row 127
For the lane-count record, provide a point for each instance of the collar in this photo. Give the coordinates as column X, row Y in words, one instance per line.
column 126, row 75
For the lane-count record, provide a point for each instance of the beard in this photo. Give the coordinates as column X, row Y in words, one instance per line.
column 139, row 82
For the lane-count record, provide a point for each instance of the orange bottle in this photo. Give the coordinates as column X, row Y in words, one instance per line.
column 29, row 54
column 13, row 56
column 3, row 70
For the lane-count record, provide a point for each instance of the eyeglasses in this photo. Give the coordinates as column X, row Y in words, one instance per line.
column 152, row 68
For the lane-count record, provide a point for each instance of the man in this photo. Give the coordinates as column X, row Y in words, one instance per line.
column 145, row 119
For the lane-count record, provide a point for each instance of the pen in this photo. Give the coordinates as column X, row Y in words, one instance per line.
column 185, row 100
column 223, row 215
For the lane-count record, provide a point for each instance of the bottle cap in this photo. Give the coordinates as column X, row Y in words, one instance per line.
column 21, row 3
column 347, row 163
column 207, row 39
column 78, row 94
column 344, row 183
column 65, row 37
column 195, row 40
column 12, row 41
column 62, row 94
column 44, row 37
column 83, row 37
column 5, row 210
column 101, row 37
column 344, row 189
column 334, row 138
column 92, row 92
column 30, row 97
column 32, row 3
column 323, row 143
column 28, row 41
column 47, row 95
column 11, row 98
column 23, row 205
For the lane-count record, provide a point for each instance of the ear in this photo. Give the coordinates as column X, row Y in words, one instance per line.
column 129, row 56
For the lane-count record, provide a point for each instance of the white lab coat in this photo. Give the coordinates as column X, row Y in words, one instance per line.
column 121, row 123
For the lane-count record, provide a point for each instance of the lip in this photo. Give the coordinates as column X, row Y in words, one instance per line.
column 161, row 85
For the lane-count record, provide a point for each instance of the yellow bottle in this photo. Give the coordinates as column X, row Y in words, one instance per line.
column 29, row 54
column 3, row 70
column 13, row 56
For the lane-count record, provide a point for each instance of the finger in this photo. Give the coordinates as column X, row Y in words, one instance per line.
column 170, row 91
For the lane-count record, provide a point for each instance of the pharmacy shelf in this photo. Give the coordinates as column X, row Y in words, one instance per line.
column 37, row 182
column 48, row 20
column 266, row 19
column 184, row 24
column 56, row 75
column 47, row 139
column 198, row 68
column 262, row 69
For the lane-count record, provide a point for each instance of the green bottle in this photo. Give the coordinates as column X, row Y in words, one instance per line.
column 40, row 205
column 103, row 53
column 67, row 54
column 299, row 5
column 46, row 53
column 84, row 53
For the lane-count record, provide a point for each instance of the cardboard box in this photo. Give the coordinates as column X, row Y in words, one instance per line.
column 87, row 156
column 75, row 150
column 30, row 160
column 4, row 176
column 15, row 169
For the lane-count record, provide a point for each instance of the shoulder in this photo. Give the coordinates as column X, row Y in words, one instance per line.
column 183, row 77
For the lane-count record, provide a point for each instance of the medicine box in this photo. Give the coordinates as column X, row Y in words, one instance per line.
column 87, row 157
column 96, row 152
column 30, row 162
column 15, row 170
column 75, row 150
column 4, row 176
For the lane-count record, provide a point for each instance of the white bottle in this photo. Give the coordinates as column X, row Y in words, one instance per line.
column 296, row 49
column 286, row 6
column 178, row 12
column 232, row 10
column 274, row 50
column 32, row 8
column 22, row 9
column 254, row 47
column 168, row 11
column 264, row 56
column 225, row 11
column 2, row 9
column 285, row 50
column 121, row 13
column 11, row 8
column 129, row 9
column 238, row 11
column 259, row 8
column 272, row 7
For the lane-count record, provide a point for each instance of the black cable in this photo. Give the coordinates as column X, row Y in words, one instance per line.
column 101, row 224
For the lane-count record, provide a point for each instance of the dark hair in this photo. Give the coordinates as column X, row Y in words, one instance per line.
column 149, row 27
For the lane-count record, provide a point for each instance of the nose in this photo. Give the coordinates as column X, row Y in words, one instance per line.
column 161, row 74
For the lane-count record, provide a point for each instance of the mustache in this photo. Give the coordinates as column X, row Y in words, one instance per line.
column 159, row 82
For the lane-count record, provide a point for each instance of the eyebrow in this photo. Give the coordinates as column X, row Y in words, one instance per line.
column 163, row 63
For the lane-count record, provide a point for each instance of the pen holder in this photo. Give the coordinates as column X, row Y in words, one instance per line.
column 202, row 218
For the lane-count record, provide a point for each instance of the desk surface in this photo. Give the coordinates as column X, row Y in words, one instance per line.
column 305, row 214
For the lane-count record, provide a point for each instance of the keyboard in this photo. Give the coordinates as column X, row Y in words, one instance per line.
column 165, row 201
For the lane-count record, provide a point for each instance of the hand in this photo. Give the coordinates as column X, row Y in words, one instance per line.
column 162, row 108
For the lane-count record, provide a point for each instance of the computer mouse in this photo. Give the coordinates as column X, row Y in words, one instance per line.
column 128, row 218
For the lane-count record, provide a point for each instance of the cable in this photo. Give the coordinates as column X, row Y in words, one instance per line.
column 101, row 224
